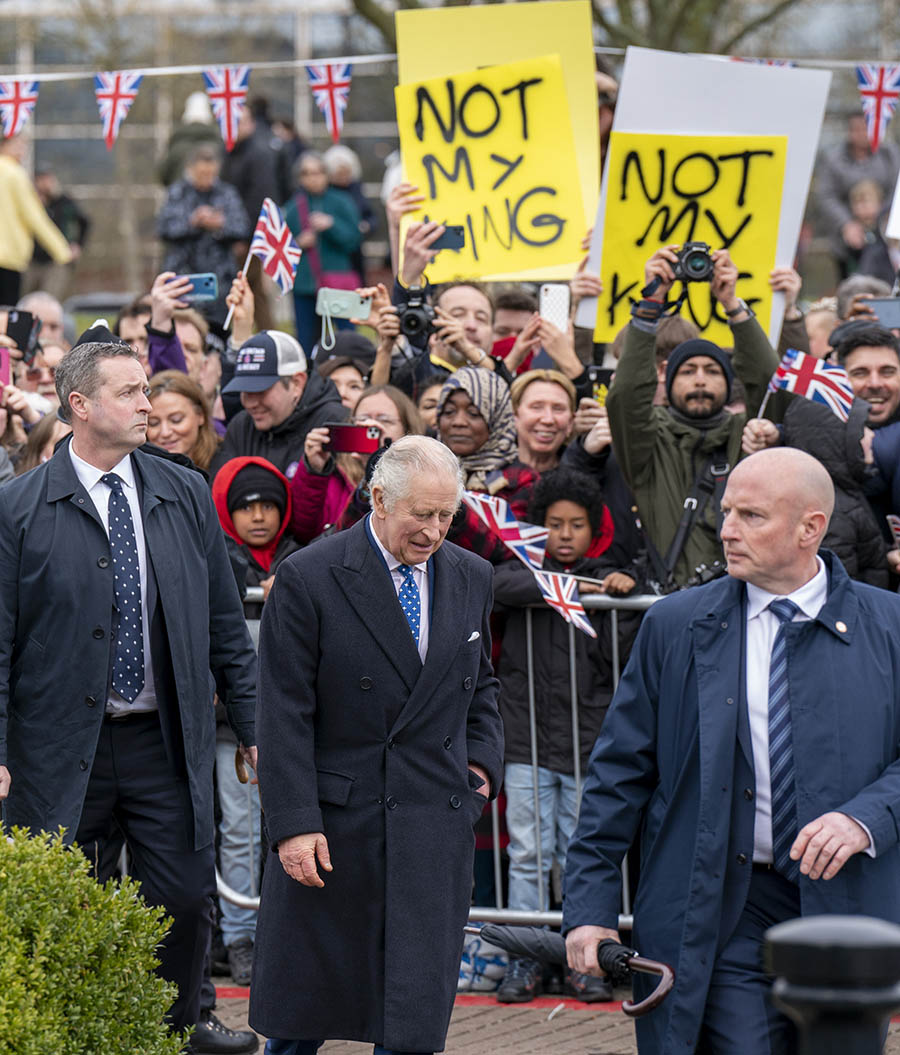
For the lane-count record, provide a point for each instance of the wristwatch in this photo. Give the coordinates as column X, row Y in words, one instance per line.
column 742, row 306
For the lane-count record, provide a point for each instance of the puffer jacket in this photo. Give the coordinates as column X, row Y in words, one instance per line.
column 853, row 533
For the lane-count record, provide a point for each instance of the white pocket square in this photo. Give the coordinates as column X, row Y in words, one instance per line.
column 474, row 636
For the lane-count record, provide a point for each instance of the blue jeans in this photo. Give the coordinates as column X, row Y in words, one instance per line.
column 559, row 812
column 310, row 1047
column 239, row 843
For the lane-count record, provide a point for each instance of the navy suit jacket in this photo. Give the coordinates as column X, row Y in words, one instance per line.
column 674, row 762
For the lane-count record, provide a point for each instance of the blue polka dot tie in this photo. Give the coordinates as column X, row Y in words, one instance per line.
column 781, row 748
column 409, row 600
column 128, row 664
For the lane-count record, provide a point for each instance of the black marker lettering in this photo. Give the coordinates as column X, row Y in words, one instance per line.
column 521, row 88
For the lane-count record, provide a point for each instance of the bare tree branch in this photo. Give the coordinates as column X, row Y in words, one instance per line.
column 764, row 19
column 380, row 18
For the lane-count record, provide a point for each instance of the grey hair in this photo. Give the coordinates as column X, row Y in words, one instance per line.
column 307, row 155
column 79, row 370
column 338, row 155
column 414, row 456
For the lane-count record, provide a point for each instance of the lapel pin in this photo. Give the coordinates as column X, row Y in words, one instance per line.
column 840, row 626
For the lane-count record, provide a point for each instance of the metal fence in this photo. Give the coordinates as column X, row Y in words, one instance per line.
column 499, row 913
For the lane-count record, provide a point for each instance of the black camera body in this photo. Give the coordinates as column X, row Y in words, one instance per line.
column 695, row 263
column 416, row 318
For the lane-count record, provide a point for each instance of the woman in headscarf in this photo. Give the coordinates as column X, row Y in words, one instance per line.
column 476, row 421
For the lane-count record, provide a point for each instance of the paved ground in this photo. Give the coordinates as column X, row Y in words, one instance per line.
column 481, row 1026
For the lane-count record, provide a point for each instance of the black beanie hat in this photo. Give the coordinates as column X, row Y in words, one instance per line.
column 697, row 346
column 254, row 483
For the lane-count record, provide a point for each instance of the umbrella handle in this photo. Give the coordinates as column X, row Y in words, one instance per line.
column 666, row 981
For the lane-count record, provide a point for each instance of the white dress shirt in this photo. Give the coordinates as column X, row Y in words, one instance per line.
column 420, row 576
column 762, row 627
column 89, row 476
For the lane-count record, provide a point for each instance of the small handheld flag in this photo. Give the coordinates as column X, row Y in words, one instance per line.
column 527, row 541
column 561, row 593
column 275, row 246
column 822, row 382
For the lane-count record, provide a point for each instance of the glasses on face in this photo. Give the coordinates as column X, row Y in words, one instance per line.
column 312, row 172
column 382, row 419
column 36, row 373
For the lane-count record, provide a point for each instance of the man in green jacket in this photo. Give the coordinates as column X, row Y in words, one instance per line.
column 676, row 458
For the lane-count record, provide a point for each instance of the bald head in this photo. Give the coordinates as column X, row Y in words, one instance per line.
column 776, row 509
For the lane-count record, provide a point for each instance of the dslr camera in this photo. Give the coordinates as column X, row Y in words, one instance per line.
column 695, row 263
column 417, row 318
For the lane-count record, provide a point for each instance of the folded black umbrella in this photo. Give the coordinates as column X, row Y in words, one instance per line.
column 615, row 959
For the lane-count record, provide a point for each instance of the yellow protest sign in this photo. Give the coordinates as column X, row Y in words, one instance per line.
column 438, row 42
column 493, row 152
column 664, row 189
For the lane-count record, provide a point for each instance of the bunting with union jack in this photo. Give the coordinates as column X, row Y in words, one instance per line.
column 274, row 244
column 561, row 593
column 17, row 99
column 814, row 379
column 115, row 93
column 527, row 541
column 879, row 90
column 227, row 88
column 330, row 86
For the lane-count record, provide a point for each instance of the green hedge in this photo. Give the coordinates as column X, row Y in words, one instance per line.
column 77, row 959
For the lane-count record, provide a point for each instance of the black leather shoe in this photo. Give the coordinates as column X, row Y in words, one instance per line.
column 210, row 1037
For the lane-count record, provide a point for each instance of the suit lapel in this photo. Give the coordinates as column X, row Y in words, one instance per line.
column 367, row 585
column 449, row 602
column 63, row 482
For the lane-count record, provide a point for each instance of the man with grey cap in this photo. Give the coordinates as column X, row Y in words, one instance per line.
column 282, row 401
column 676, row 458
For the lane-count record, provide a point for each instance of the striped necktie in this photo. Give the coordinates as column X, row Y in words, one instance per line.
column 781, row 748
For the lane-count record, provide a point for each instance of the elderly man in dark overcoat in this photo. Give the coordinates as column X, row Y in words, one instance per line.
column 118, row 607
column 754, row 743
column 380, row 743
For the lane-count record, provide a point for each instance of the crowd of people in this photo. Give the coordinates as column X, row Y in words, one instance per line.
column 287, row 435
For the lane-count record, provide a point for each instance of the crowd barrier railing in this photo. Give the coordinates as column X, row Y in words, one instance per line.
column 499, row 913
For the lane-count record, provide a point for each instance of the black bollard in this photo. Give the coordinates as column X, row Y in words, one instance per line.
column 838, row 978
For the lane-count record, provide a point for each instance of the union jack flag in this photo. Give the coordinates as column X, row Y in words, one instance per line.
column 115, row 93
column 561, row 593
column 275, row 246
column 822, row 382
column 227, row 90
column 879, row 89
column 527, row 541
column 17, row 99
column 330, row 86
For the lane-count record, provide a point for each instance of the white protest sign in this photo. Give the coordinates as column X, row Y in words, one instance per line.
column 665, row 94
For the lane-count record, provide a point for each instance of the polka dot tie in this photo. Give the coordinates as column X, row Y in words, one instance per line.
column 409, row 600
column 128, row 665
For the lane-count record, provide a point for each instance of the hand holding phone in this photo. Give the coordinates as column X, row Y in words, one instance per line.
column 205, row 287
column 23, row 328
column 887, row 311
column 554, row 304
column 347, row 438
column 454, row 237
column 342, row 304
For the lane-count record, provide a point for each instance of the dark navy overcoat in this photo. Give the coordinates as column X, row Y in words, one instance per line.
column 359, row 740
column 57, row 615
column 674, row 761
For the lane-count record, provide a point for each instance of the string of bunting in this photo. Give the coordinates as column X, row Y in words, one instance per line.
column 879, row 88
column 226, row 87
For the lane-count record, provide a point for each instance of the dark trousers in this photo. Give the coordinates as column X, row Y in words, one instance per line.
column 740, row 1018
column 133, row 789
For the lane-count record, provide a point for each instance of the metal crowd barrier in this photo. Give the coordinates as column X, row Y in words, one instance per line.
column 498, row 913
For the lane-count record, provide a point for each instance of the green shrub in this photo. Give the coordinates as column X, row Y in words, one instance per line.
column 77, row 959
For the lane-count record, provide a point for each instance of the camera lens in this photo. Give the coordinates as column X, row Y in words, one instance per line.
column 696, row 264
